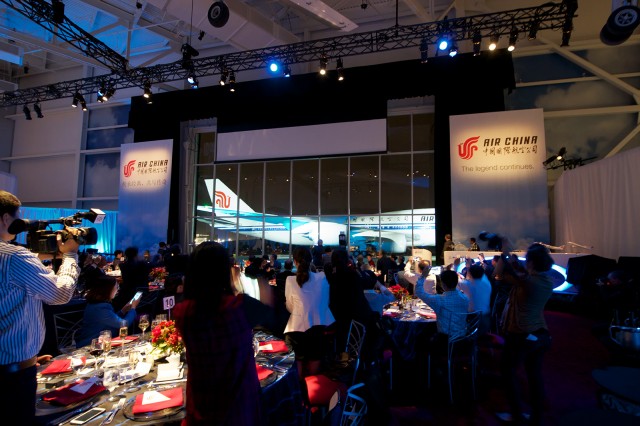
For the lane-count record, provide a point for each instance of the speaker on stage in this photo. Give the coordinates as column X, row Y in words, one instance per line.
column 583, row 270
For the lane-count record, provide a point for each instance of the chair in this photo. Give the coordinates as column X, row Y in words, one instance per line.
column 322, row 387
column 455, row 347
column 66, row 324
column 350, row 413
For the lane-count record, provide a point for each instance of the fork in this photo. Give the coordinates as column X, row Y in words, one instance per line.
column 116, row 407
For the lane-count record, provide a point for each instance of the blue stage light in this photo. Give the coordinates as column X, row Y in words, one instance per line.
column 274, row 66
column 443, row 43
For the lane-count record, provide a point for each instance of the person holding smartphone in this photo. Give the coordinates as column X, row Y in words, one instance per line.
column 99, row 313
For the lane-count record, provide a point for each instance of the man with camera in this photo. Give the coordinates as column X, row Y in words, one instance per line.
column 24, row 285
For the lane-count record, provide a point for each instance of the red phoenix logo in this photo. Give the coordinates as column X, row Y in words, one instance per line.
column 222, row 200
column 465, row 149
column 128, row 169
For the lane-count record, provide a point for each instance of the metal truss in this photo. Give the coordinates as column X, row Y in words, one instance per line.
column 41, row 13
column 550, row 16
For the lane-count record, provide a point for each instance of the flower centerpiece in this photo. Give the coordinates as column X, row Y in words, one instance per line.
column 398, row 291
column 166, row 339
column 158, row 274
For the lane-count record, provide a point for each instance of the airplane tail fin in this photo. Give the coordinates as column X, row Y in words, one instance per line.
column 225, row 198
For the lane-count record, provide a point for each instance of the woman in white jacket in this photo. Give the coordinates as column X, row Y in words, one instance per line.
column 307, row 299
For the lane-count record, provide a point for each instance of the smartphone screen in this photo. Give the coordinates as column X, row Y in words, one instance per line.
column 88, row 415
column 136, row 297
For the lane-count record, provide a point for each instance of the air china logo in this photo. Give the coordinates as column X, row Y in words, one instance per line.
column 128, row 169
column 465, row 149
column 222, row 200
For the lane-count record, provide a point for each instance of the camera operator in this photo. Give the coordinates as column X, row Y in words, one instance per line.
column 25, row 283
column 526, row 334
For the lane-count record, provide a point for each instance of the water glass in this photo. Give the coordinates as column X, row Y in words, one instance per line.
column 111, row 377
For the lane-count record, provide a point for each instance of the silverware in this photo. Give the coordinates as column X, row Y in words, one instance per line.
column 63, row 419
column 112, row 413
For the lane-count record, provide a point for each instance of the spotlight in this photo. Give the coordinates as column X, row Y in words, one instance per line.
column 75, row 101
column 533, row 30
column 340, row 69
column 287, row 71
column 223, row 78
column 232, row 81
column 101, row 91
column 513, row 38
column 194, row 82
column 493, row 41
column 424, row 51
column 138, row 5
column 83, row 105
column 191, row 78
column 566, row 33
column 201, row 35
column 37, row 109
column 477, row 40
column 323, row 65
column 188, row 51
column 147, row 90
column 443, row 43
column 108, row 94
column 27, row 112
column 274, row 66
column 561, row 153
column 58, row 11
column 453, row 51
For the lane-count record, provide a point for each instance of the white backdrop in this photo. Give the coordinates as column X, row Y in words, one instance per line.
column 599, row 205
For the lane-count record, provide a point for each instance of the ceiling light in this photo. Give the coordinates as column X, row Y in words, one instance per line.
column 533, row 30
column 191, row 78
column 193, row 81
column 83, row 105
column 108, row 94
column 477, row 41
column 27, row 112
column 75, row 101
column 513, row 38
column 561, row 153
column 453, row 51
column 147, row 90
column 37, row 109
column 323, row 65
column 101, row 91
column 340, row 69
column 443, row 43
column 232, row 81
column 223, row 78
column 287, row 71
column 493, row 41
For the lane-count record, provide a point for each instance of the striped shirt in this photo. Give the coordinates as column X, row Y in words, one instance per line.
column 24, row 285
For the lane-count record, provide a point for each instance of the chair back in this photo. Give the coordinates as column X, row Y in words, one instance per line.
column 354, row 409
column 66, row 324
column 471, row 333
column 357, row 332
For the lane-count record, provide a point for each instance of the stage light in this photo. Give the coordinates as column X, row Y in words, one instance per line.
column 493, row 41
column 533, row 30
column 561, row 153
column 201, row 35
column 223, row 78
column 83, row 105
column 424, row 51
column 323, row 65
column 194, row 82
column 274, row 66
column 58, row 11
column 147, row 90
column 566, row 33
column 191, row 78
column 37, row 109
column 453, row 51
column 340, row 69
column 443, row 43
column 75, row 101
column 513, row 38
column 287, row 71
column 477, row 40
column 108, row 94
column 27, row 112
column 101, row 91
column 232, row 81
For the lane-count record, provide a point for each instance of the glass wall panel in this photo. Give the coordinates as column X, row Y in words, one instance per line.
column 202, row 230
column 206, row 147
column 226, row 200
column 424, row 231
column 334, row 186
column 304, row 232
column 423, row 127
column 423, row 194
column 277, row 231
column 251, row 180
column 364, row 185
column 203, row 193
column 395, row 183
column 277, row 189
column 364, row 233
column 330, row 229
column 305, row 187
column 101, row 175
column 109, row 116
column 225, row 232
column 399, row 133
column 250, row 241
column 109, row 138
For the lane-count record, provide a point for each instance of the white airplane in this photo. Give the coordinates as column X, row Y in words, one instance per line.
column 394, row 229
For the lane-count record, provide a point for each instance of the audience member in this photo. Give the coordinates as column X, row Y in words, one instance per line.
column 99, row 313
column 316, row 253
column 175, row 261
column 135, row 273
column 222, row 382
column 421, row 277
column 307, row 299
column 477, row 288
column 473, row 245
column 386, row 267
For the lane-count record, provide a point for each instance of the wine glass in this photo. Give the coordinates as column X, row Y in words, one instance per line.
column 124, row 331
column 256, row 346
column 77, row 363
column 105, row 340
column 143, row 323
column 95, row 350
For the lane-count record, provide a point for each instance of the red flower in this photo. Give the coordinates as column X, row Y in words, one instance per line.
column 165, row 336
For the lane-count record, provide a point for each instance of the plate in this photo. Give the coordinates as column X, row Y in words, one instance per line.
column 44, row 408
column 269, row 379
column 127, row 410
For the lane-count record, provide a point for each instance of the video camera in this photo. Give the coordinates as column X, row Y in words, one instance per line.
column 42, row 239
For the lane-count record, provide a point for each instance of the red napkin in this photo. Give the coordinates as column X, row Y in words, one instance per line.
column 175, row 400
column 392, row 314
column 58, row 366
column 263, row 372
column 65, row 396
column 276, row 346
column 116, row 341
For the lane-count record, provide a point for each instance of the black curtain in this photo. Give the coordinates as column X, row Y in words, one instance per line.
column 465, row 84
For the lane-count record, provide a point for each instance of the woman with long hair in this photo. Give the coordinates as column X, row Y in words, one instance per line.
column 307, row 299
column 222, row 382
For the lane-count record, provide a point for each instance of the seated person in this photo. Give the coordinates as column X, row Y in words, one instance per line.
column 380, row 298
column 99, row 314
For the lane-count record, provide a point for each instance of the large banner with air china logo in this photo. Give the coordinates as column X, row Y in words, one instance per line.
column 498, row 182
column 145, row 181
